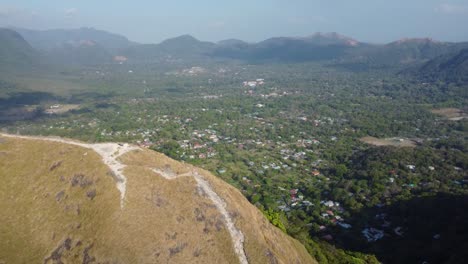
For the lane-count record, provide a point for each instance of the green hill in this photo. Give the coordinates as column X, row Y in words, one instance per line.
column 15, row 52
column 450, row 68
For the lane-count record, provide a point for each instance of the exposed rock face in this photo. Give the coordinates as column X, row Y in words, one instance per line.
column 59, row 200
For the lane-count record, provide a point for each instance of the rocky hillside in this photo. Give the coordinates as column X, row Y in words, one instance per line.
column 70, row 202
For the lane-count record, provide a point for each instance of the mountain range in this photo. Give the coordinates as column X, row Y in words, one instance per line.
column 87, row 46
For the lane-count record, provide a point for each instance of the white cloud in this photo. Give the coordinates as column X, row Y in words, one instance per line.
column 452, row 9
column 71, row 12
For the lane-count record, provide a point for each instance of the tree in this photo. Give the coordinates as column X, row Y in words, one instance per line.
column 275, row 219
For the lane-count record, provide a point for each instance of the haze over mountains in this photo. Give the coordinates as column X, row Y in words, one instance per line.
column 91, row 46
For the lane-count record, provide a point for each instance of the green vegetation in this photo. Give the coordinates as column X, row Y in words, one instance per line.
column 291, row 140
column 275, row 219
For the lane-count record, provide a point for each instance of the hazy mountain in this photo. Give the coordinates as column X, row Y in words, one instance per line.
column 182, row 47
column 449, row 67
column 402, row 52
column 80, row 53
column 70, row 202
column 56, row 38
column 15, row 52
column 91, row 46
column 332, row 38
column 320, row 46
column 232, row 42
column 185, row 44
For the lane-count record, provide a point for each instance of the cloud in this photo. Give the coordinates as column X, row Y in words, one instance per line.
column 71, row 12
column 452, row 9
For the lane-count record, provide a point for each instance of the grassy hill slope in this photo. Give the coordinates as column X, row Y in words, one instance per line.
column 59, row 203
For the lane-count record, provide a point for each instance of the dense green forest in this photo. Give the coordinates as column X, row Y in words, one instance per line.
column 293, row 144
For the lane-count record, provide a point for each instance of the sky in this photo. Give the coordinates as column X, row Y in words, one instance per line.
column 151, row 21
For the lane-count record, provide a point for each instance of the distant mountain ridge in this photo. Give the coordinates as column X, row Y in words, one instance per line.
column 47, row 40
column 320, row 46
column 91, row 46
column 449, row 68
column 408, row 51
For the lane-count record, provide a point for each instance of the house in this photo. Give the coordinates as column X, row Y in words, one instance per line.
column 372, row 234
column 316, row 173
column 344, row 225
column 411, row 167
column 197, row 146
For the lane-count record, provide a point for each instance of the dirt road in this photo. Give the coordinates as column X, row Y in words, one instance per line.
column 236, row 235
column 108, row 151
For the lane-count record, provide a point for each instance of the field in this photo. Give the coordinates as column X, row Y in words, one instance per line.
column 453, row 114
column 61, row 109
column 395, row 142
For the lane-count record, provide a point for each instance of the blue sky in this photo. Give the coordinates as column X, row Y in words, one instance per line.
column 152, row 21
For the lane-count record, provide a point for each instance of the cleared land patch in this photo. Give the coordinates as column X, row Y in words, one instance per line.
column 453, row 114
column 396, row 142
column 61, row 109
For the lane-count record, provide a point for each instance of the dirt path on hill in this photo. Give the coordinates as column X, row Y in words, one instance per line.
column 109, row 153
column 236, row 235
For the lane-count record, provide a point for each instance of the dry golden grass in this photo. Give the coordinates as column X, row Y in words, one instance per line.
column 263, row 241
column 40, row 205
column 48, row 213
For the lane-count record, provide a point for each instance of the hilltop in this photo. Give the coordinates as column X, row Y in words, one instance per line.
column 118, row 203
